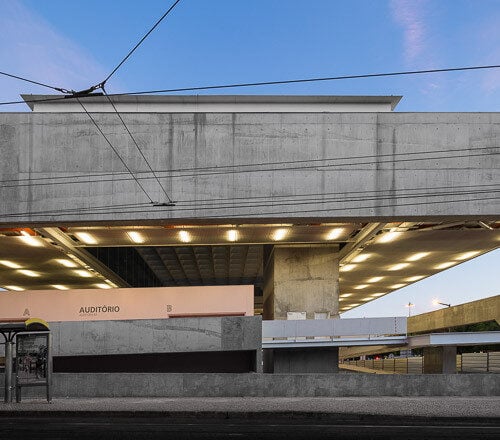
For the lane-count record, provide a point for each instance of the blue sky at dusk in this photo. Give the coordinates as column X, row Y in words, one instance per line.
column 75, row 44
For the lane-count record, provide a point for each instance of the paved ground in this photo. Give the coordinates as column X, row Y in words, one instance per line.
column 253, row 418
column 396, row 406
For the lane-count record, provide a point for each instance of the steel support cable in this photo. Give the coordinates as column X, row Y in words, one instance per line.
column 322, row 201
column 270, row 202
column 58, row 89
column 136, row 145
column 308, row 211
column 115, row 150
column 230, row 169
column 266, row 83
column 485, row 188
column 141, row 41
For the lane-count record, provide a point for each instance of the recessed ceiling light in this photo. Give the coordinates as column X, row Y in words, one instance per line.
column 10, row 264
column 83, row 273
column 16, row 288
column 279, row 234
column 388, row 236
column 360, row 258
column 346, row 295
column 467, row 255
column 60, row 287
column 368, row 298
column 361, row 286
column 32, row 241
column 103, row 286
column 29, row 273
column 184, row 236
column 86, row 237
column 378, row 294
column 418, row 256
column 398, row 266
column 66, row 263
column 136, row 237
column 354, row 305
column 334, row 233
column 232, row 235
column 347, row 267
column 397, row 286
column 375, row 279
column 445, row 265
column 415, row 278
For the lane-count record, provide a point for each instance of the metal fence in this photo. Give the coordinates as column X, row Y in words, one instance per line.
column 466, row 363
column 412, row 365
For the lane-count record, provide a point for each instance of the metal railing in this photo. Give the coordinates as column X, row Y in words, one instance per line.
column 333, row 328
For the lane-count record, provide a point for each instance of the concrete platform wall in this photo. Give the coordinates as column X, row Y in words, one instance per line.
column 267, row 385
column 175, row 335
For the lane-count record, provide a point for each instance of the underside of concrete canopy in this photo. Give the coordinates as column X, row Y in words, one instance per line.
column 338, row 195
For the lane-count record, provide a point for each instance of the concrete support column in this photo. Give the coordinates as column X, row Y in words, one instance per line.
column 439, row 360
column 301, row 280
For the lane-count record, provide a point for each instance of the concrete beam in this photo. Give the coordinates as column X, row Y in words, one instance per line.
column 317, row 160
column 483, row 310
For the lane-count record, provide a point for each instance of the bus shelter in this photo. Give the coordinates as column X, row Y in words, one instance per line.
column 33, row 362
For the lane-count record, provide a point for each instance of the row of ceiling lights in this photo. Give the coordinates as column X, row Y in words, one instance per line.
column 184, row 236
column 63, row 262
column 412, row 258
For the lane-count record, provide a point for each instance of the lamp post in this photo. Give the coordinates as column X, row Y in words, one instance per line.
column 409, row 305
column 439, row 303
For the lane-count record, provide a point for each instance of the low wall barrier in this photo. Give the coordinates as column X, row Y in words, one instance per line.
column 269, row 385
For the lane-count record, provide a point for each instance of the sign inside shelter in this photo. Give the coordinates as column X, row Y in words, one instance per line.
column 31, row 357
column 129, row 303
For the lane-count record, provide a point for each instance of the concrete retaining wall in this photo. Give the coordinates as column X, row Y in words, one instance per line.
column 268, row 385
column 176, row 335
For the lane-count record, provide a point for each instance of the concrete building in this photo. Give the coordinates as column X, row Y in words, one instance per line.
column 322, row 203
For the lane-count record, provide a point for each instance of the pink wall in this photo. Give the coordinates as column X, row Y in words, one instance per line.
column 130, row 303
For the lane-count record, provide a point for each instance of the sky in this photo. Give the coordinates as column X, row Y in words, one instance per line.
column 75, row 44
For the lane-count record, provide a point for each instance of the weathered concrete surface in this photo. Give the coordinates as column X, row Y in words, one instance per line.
column 432, row 407
column 302, row 279
column 315, row 360
column 268, row 385
column 483, row 310
column 361, row 152
column 157, row 336
column 440, row 360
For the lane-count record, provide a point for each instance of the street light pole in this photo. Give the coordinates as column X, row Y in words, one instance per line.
column 409, row 305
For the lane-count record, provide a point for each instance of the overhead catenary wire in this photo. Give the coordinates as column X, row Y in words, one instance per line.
column 137, row 145
column 267, row 83
column 141, row 41
column 262, row 166
column 10, row 75
column 268, row 201
column 309, row 211
column 115, row 150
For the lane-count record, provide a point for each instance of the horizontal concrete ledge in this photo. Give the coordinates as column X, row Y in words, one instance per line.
column 267, row 385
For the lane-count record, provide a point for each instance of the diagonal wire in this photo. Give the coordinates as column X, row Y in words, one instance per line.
column 10, row 75
column 114, row 149
column 308, row 80
column 136, row 145
column 264, row 83
column 141, row 40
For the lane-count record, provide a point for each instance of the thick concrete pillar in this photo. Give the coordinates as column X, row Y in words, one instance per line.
column 298, row 280
column 301, row 279
column 439, row 360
